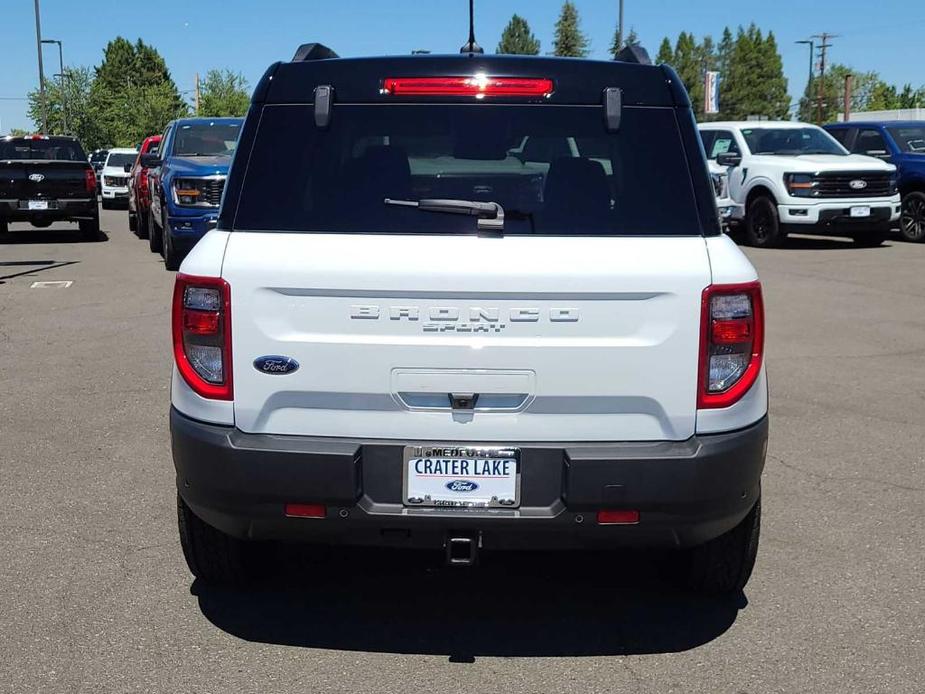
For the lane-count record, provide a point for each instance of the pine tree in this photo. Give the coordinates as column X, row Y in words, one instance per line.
column 518, row 39
column 687, row 63
column 632, row 38
column 754, row 82
column 617, row 45
column 665, row 53
column 569, row 41
column 777, row 101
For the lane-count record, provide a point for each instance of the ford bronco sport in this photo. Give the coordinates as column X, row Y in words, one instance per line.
column 472, row 303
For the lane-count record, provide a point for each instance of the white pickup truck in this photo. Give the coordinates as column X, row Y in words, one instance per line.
column 406, row 332
column 794, row 177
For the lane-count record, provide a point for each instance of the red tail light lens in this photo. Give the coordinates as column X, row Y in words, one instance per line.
column 202, row 335
column 478, row 86
column 731, row 343
column 143, row 181
column 89, row 180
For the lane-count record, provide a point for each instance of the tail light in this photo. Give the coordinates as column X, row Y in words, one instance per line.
column 90, row 180
column 731, row 342
column 143, row 181
column 202, row 334
column 478, row 86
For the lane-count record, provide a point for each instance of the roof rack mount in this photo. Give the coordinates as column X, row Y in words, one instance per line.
column 313, row 51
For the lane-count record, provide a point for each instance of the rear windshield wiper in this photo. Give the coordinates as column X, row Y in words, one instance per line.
column 490, row 214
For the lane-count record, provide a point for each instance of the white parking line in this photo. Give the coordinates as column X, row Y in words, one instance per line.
column 52, row 284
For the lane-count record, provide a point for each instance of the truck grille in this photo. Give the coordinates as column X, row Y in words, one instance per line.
column 213, row 191
column 115, row 181
column 842, row 184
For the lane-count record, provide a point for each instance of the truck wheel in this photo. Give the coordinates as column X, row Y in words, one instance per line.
column 133, row 222
column 172, row 259
column 4, row 227
column 912, row 222
column 154, row 234
column 90, row 229
column 724, row 565
column 870, row 239
column 212, row 556
column 762, row 225
column 141, row 225
column 106, row 204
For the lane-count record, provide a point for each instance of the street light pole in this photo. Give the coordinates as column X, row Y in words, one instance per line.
column 38, row 44
column 63, row 93
column 620, row 27
column 812, row 52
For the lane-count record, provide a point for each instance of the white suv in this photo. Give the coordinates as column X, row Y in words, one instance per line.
column 794, row 177
column 115, row 174
column 406, row 332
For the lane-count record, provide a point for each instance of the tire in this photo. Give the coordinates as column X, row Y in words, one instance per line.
column 4, row 227
column 141, row 225
column 90, row 229
column 212, row 556
column 172, row 259
column 133, row 222
column 154, row 234
column 762, row 224
column 724, row 565
column 912, row 221
column 870, row 239
column 106, row 205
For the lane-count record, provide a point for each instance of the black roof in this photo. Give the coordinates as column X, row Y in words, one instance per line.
column 576, row 81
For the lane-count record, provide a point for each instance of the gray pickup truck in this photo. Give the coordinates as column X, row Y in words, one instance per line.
column 46, row 179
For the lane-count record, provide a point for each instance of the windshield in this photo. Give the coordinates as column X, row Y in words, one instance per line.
column 57, row 149
column 553, row 170
column 120, row 159
column 910, row 138
column 206, row 139
column 791, row 141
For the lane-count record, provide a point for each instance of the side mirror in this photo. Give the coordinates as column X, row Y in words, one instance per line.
column 127, row 168
column 729, row 159
column 150, row 161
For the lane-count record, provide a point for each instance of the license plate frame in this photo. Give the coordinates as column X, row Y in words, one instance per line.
column 859, row 211
column 38, row 205
column 490, row 491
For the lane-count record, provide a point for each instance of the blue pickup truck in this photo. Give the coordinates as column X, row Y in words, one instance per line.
column 901, row 143
column 187, row 179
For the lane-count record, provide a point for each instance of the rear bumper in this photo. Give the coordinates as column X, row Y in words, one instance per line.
column 64, row 209
column 686, row 492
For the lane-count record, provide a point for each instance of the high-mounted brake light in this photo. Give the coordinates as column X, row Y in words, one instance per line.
column 478, row 86
column 731, row 343
column 202, row 335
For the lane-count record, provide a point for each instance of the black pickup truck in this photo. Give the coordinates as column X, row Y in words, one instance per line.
column 45, row 179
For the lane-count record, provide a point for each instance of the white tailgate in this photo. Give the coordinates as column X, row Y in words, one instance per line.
column 563, row 339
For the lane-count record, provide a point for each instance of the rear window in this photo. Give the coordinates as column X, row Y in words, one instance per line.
column 553, row 169
column 55, row 149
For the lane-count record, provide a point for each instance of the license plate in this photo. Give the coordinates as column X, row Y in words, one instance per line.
column 38, row 204
column 461, row 476
column 860, row 211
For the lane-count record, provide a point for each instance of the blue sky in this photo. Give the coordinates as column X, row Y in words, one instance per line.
column 247, row 35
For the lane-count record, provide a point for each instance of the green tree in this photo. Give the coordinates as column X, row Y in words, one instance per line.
column 518, row 39
column 753, row 82
column 133, row 95
column 618, row 44
column 865, row 87
column 724, row 51
column 665, row 53
column 19, row 132
column 883, row 97
column 689, row 66
column 224, row 94
column 68, row 103
column 569, row 40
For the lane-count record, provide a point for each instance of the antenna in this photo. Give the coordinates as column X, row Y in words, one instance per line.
column 471, row 46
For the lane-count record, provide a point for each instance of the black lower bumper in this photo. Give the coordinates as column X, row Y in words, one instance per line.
column 63, row 210
column 686, row 492
column 839, row 222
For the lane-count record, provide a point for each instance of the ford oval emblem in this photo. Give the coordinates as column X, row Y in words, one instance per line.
column 858, row 184
column 38, row 178
column 275, row 364
column 462, row 486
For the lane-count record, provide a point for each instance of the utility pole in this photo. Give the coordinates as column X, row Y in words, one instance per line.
column 620, row 27
column 196, row 94
column 38, row 44
column 823, row 47
column 61, row 75
column 848, row 96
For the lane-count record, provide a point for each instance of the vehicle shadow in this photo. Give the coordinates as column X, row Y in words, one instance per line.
column 511, row 605
column 37, row 236
column 822, row 243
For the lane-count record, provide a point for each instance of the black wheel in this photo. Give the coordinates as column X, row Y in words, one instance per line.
column 912, row 222
column 106, row 204
column 154, row 234
column 132, row 221
column 141, row 225
column 762, row 225
column 871, row 238
column 172, row 259
column 725, row 564
column 212, row 556
column 4, row 227
column 90, row 229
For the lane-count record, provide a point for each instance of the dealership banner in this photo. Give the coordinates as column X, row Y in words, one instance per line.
column 711, row 92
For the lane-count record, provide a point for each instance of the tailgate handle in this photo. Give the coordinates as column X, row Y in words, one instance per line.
column 463, row 401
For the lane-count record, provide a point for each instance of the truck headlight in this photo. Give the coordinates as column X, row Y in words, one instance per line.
column 801, row 185
column 720, row 184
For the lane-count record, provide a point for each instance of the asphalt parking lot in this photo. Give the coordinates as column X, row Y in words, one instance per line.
column 96, row 597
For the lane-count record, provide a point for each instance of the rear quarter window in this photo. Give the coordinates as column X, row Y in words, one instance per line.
column 554, row 170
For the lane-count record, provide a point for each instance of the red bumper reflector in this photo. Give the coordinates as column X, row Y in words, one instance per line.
column 617, row 517
column 306, row 510
column 475, row 85
column 201, row 322
column 731, row 332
